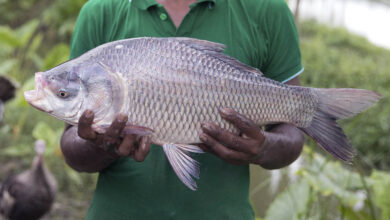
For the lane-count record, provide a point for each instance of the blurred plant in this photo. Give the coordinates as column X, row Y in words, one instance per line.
column 22, row 47
column 380, row 182
column 328, row 190
column 335, row 58
column 29, row 45
column 19, row 49
column 61, row 16
column 16, row 12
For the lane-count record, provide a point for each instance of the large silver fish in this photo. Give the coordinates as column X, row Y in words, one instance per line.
column 171, row 85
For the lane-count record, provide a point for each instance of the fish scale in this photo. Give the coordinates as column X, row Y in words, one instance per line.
column 212, row 90
column 169, row 86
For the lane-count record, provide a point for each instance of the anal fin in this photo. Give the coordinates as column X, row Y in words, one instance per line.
column 184, row 166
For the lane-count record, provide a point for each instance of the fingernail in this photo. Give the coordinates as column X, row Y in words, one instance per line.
column 203, row 137
column 208, row 126
column 205, row 125
column 89, row 113
column 122, row 118
column 227, row 111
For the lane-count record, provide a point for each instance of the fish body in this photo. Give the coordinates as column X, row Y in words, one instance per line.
column 172, row 85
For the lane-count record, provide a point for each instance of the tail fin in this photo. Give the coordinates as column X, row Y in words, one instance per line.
column 337, row 104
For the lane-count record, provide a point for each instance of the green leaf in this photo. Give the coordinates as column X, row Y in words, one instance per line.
column 19, row 99
column 331, row 178
column 6, row 51
column 7, row 65
column 351, row 214
column 52, row 137
column 17, row 151
column 381, row 185
column 57, row 55
column 44, row 132
column 35, row 44
column 291, row 203
column 9, row 37
column 74, row 176
column 26, row 31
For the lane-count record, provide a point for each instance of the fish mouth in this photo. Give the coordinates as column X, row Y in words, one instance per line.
column 31, row 96
column 36, row 97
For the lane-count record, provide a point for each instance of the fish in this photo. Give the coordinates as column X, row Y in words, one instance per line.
column 168, row 86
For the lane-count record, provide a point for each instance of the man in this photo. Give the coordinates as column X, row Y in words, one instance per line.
column 260, row 33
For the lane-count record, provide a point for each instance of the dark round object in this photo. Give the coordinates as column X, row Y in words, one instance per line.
column 7, row 89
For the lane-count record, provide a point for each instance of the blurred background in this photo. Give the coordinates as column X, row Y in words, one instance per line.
column 344, row 43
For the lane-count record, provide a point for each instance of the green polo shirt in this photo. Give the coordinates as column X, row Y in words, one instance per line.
column 260, row 33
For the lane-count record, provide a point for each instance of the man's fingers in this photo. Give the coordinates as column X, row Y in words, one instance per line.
column 113, row 133
column 204, row 147
column 143, row 149
column 247, row 126
column 220, row 150
column 84, row 129
column 229, row 139
column 127, row 147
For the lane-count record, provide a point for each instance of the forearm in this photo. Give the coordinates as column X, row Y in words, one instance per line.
column 83, row 155
column 283, row 145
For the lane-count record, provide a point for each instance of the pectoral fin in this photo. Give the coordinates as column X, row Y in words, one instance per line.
column 184, row 166
column 138, row 130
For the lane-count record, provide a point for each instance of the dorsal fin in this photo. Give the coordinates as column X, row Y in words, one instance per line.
column 215, row 50
column 236, row 63
column 201, row 44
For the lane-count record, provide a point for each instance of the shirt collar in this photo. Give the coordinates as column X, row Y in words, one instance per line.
column 146, row 4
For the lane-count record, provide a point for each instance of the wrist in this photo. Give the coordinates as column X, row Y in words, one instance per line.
column 264, row 154
column 282, row 146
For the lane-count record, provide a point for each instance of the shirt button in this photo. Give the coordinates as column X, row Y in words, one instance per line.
column 163, row 16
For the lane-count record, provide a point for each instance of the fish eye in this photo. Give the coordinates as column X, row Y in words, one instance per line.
column 51, row 78
column 62, row 94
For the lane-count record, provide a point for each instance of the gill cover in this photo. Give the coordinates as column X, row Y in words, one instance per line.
column 103, row 90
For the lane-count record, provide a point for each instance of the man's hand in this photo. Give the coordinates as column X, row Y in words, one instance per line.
column 230, row 147
column 274, row 149
column 87, row 151
column 113, row 140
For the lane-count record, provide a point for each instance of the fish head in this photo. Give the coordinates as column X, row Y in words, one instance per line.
column 67, row 91
column 57, row 93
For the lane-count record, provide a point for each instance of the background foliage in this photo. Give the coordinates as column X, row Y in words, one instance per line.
column 34, row 36
column 335, row 58
column 327, row 189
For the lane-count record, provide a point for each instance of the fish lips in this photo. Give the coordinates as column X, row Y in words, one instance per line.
column 36, row 97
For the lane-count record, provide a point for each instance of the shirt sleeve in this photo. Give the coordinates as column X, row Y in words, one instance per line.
column 87, row 33
column 283, row 60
